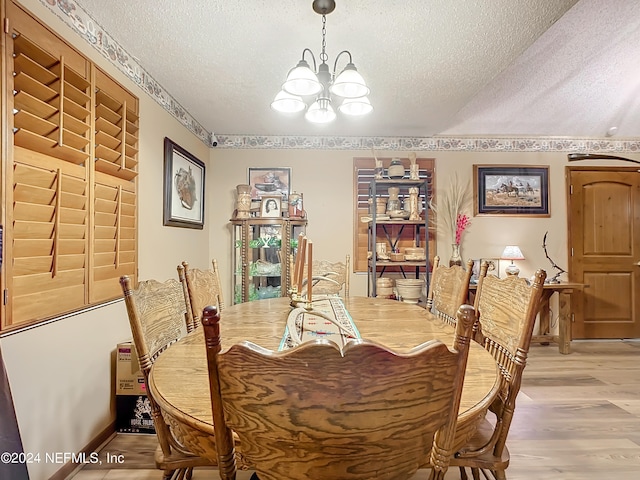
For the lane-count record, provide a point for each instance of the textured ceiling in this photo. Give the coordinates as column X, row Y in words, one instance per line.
column 435, row 67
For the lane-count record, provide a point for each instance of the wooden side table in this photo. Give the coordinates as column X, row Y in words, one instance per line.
column 564, row 291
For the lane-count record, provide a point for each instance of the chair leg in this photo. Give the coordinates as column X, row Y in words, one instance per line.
column 494, row 474
column 476, row 473
column 189, row 473
column 436, row 474
column 168, row 474
column 463, row 473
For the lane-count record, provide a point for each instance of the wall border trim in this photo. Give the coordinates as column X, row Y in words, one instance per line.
column 436, row 143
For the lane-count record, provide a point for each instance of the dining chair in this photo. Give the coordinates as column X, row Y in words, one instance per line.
column 201, row 288
column 315, row 411
column 329, row 278
column 157, row 317
column 448, row 289
column 506, row 310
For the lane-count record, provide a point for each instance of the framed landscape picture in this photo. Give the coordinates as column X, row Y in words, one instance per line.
column 183, row 187
column 511, row 190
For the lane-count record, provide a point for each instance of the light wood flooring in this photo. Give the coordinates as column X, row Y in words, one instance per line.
column 577, row 418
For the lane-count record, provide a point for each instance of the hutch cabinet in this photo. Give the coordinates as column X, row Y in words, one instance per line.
column 264, row 252
column 396, row 233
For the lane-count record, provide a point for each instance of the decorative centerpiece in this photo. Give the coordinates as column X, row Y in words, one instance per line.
column 295, row 205
column 414, row 168
column 396, row 169
column 451, row 216
column 243, row 201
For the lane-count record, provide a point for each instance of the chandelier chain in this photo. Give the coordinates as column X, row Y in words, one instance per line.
column 323, row 54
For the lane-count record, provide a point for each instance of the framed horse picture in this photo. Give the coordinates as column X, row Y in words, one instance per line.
column 511, row 190
column 183, row 187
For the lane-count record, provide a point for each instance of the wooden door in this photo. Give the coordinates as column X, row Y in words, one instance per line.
column 604, row 207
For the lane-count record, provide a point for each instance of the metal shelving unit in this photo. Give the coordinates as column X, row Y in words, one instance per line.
column 392, row 230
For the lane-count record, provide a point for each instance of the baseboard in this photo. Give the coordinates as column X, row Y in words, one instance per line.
column 93, row 446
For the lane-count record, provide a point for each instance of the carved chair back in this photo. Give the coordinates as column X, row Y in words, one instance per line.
column 449, row 288
column 157, row 316
column 507, row 310
column 316, row 412
column 201, row 288
column 329, row 278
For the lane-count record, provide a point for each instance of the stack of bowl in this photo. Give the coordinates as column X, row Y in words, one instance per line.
column 384, row 287
column 409, row 289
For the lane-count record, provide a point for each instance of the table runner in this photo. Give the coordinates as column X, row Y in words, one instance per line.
column 311, row 327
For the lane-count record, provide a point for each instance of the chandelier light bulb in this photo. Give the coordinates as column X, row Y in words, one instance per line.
column 321, row 112
column 287, row 103
column 302, row 81
column 355, row 106
column 349, row 84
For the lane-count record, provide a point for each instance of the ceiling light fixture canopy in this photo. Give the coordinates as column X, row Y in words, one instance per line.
column 320, row 85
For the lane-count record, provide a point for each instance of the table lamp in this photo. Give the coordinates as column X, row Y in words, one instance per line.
column 512, row 252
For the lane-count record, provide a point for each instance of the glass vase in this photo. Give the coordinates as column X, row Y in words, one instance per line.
column 455, row 259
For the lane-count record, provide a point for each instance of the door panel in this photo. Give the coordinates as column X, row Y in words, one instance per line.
column 604, row 236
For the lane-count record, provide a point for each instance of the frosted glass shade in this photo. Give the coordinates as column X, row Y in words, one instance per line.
column 349, row 84
column 356, row 106
column 321, row 112
column 287, row 103
column 302, row 81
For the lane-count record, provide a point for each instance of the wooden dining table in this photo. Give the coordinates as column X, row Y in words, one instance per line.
column 179, row 378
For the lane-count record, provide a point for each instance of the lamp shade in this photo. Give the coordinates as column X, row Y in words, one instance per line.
column 301, row 81
column 287, row 103
column 355, row 106
column 512, row 252
column 349, row 84
column 321, row 111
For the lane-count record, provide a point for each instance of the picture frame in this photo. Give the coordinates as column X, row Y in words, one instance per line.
column 184, row 177
column 511, row 190
column 269, row 181
column 271, row 206
column 493, row 268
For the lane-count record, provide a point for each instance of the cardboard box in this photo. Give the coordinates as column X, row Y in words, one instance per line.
column 129, row 377
column 133, row 414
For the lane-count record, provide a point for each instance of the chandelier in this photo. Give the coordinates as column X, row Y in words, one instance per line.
column 321, row 86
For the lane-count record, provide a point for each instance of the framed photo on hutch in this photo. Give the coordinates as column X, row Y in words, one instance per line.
column 183, row 187
column 271, row 206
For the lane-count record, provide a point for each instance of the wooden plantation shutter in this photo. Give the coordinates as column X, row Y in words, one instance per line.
column 47, row 217
column 71, row 224
column 116, row 160
column 50, row 204
column 363, row 174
